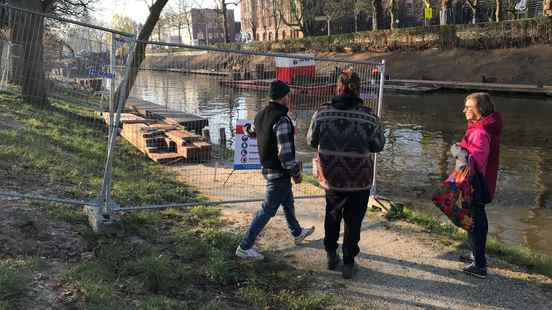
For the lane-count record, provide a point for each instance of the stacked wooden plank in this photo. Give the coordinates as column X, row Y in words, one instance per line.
column 126, row 118
column 153, row 111
column 163, row 136
column 165, row 142
column 189, row 145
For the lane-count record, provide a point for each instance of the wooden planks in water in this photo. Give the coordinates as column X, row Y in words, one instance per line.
column 150, row 110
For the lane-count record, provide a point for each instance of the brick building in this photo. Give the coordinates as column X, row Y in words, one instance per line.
column 260, row 20
column 200, row 27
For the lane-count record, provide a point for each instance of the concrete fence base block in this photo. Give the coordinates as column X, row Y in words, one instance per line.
column 381, row 203
column 101, row 222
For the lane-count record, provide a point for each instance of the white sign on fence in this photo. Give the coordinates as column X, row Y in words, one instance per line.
column 246, row 154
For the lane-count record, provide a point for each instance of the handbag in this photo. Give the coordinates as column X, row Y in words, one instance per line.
column 454, row 196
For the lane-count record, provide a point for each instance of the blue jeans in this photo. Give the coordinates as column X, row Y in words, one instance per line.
column 278, row 192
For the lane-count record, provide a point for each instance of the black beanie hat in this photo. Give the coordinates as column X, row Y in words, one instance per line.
column 278, row 89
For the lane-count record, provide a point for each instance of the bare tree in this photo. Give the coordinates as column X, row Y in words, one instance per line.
column 361, row 6
column 140, row 48
column 474, row 6
column 179, row 16
column 275, row 15
column 158, row 28
column 301, row 14
column 377, row 14
column 498, row 10
column 391, row 8
column 334, row 10
column 29, row 30
column 222, row 11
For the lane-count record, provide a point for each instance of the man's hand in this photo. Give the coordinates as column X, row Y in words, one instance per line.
column 298, row 179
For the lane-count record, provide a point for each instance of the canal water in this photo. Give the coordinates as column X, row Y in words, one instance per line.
column 419, row 132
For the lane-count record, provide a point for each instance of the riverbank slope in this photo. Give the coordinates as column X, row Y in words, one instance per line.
column 531, row 65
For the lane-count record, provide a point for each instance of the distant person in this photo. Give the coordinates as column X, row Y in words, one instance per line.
column 276, row 142
column 482, row 143
column 374, row 75
column 547, row 8
column 346, row 134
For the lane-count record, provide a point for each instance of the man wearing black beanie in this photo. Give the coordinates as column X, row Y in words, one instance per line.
column 275, row 139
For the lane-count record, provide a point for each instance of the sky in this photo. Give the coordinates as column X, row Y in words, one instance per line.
column 138, row 10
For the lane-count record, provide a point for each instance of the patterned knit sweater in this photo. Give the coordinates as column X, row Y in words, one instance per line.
column 346, row 135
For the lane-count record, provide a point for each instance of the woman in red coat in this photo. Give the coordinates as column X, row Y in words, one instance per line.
column 482, row 142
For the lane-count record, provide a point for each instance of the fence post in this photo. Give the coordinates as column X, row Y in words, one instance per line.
column 101, row 218
column 373, row 189
column 113, row 61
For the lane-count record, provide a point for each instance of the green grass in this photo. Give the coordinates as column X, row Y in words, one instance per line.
column 517, row 255
column 169, row 259
column 64, row 147
column 15, row 281
column 311, row 180
column 198, row 265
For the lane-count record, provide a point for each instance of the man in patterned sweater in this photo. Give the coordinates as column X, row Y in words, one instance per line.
column 346, row 134
column 276, row 143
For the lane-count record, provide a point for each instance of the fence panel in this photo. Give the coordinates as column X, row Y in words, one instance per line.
column 185, row 110
column 193, row 99
column 55, row 64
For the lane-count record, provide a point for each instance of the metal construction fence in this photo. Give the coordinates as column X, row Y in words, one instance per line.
column 186, row 106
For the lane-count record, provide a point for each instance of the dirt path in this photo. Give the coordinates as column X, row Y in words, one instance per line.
column 399, row 267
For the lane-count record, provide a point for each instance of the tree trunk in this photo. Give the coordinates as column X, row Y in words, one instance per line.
column 140, row 48
column 28, row 33
column 377, row 14
column 475, row 10
column 443, row 14
column 356, row 22
column 224, row 21
column 498, row 11
column 392, row 13
column 34, row 82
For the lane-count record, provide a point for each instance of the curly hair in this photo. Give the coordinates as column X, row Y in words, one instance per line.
column 350, row 82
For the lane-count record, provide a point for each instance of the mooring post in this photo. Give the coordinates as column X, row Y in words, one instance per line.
column 222, row 136
column 205, row 133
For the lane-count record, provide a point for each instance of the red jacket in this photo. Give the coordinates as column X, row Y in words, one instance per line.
column 482, row 141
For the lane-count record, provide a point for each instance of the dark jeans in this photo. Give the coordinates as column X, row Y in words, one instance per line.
column 350, row 206
column 278, row 192
column 478, row 236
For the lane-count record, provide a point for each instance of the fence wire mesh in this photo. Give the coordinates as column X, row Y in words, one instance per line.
column 70, row 70
column 191, row 103
column 184, row 109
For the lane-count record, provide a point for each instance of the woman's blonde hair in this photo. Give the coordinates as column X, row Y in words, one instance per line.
column 483, row 101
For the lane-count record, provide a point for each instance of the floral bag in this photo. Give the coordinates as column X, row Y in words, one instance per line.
column 454, row 196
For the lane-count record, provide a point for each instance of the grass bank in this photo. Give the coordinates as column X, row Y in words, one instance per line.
column 517, row 255
column 158, row 260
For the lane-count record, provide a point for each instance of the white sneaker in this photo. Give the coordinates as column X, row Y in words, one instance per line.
column 305, row 232
column 249, row 254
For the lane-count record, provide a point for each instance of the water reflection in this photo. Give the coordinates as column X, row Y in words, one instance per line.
column 420, row 130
